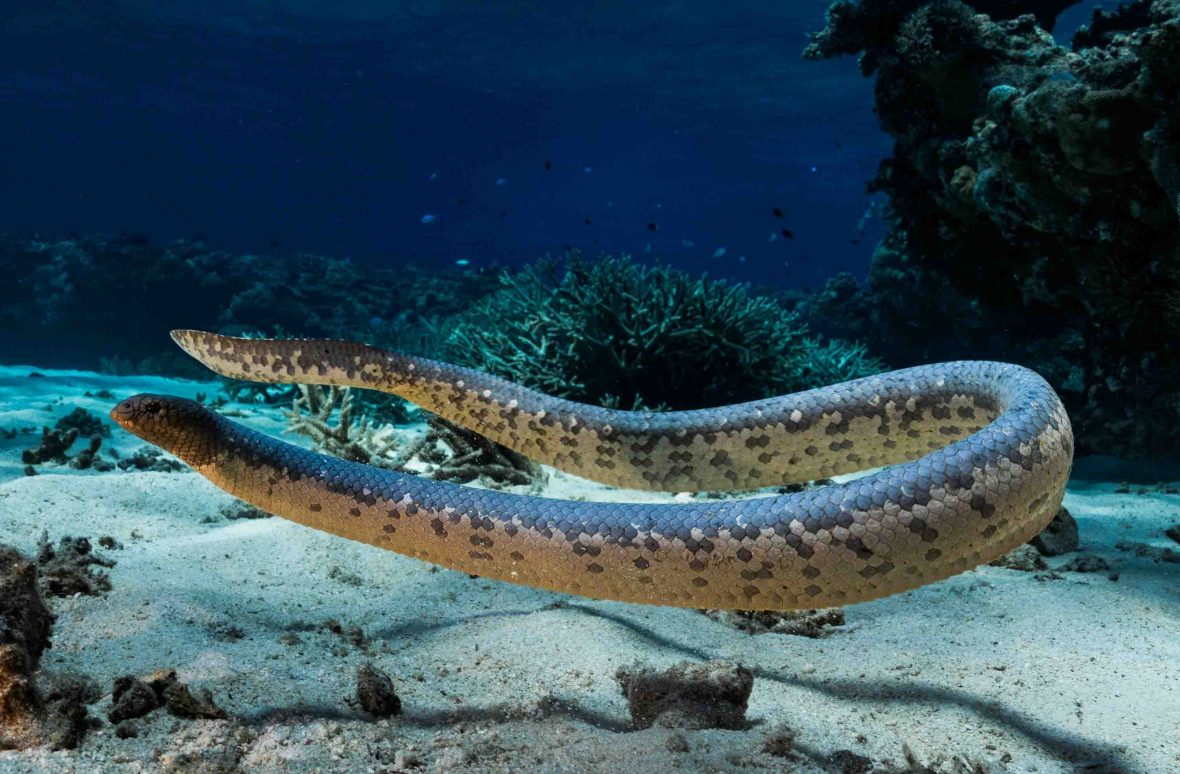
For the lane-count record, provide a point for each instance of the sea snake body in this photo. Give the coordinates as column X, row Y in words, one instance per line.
column 976, row 454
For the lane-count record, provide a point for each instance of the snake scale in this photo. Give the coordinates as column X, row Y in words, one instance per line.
column 973, row 460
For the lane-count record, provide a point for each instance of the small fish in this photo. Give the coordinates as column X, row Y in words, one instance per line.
column 588, row 170
column 777, row 212
column 787, row 233
column 773, row 236
column 462, row 262
column 588, row 221
column 719, row 252
column 501, row 181
column 653, row 226
column 548, row 165
column 427, row 219
column 648, row 248
column 688, row 243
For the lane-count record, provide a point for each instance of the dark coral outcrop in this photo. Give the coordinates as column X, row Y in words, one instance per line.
column 32, row 715
column 1034, row 203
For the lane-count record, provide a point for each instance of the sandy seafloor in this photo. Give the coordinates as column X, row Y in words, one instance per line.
column 994, row 667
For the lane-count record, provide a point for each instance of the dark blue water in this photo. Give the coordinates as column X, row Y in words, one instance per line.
column 669, row 129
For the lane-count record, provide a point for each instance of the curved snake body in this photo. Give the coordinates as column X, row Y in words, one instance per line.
column 976, row 457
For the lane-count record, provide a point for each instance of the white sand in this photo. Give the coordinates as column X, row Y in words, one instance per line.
column 993, row 666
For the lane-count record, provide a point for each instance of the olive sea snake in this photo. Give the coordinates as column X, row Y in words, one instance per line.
column 975, row 456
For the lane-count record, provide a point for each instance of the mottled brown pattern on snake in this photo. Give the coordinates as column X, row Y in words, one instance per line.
column 984, row 452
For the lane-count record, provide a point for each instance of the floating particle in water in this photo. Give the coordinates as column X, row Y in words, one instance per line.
column 432, row 176
column 787, row 233
column 815, row 169
column 648, row 248
column 587, row 221
column 688, row 243
column 548, row 165
column 274, row 243
column 839, row 146
column 501, row 181
column 777, row 212
column 773, row 236
column 741, row 259
column 427, row 219
column 462, row 262
column 719, row 252
column 588, row 170
column 653, row 226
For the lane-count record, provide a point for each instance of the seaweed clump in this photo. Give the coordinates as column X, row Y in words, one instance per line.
column 1032, row 202
column 618, row 333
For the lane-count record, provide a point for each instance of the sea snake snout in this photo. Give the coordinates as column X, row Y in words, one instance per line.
column 974, row 459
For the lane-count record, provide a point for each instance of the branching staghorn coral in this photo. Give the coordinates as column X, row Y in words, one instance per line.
column 614, row 332
column 831, row 362
column 449, row 452
column 311, row 415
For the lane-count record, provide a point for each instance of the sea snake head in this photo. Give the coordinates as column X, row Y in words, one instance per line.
column 179, row 425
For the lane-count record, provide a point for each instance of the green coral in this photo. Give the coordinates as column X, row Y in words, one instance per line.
column 616, row 332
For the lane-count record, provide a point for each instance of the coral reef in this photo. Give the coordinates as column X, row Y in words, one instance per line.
column 800, row 623
column 52, row 448
column 152, row 459
column 54, row 445
column 133, row 697
column 87, row 424
column 1032, row 194
column 619, row 333
column 1060, row 537
column 69, row 568
column 30, row 716
column 325, row 415
column 375, row 692
column 692, row 696
column 448, row 452
column 25, row 624
column 56, row 285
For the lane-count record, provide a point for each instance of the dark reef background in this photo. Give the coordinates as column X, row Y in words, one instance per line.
column 933, row 179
